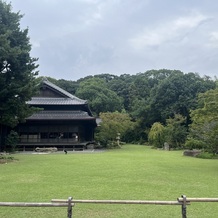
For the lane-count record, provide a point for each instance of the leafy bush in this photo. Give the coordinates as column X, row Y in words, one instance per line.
column 156, row 135
column 194, row 144
column 175, row 131
column 112, row 144
column 12, row 140
column 207, row 155
column 6, row 159
column 204, row 125
column 113, row 125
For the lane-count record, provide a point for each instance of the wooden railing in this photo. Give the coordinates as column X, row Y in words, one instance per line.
column 183, row 201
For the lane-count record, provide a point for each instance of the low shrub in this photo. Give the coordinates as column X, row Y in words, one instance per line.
column 6, row 159
column 207, row 155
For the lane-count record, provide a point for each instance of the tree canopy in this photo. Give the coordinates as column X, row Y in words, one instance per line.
column 149, row 97
column 17, row 68
column 112, row 125
column 205, row 120
column 175, row 94
column 101, row 99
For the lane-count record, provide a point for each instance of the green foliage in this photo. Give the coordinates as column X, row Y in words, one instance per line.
column 100, row 98
column 136, row 134
column 207, row 155
column 156, row 135
column 122, row 86
column 175, row 131
column 192, row 143
column 205, row 120
column 111, row 125
column 17, row 68
column 176, row 93
column 12, row 140
column 6, row 159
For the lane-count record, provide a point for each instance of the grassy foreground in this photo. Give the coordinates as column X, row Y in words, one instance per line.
column 131, row 173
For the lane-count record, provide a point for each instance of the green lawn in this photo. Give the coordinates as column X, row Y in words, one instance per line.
column 131, row 173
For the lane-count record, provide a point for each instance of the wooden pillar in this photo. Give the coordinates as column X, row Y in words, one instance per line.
column 184, row 206
column 69, row 209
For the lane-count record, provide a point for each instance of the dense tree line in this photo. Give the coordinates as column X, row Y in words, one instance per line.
column 161, row 96
column 161, row 93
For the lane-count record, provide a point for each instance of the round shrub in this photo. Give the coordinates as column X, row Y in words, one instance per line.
column 194, row 144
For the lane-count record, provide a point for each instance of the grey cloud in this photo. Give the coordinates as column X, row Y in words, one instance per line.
column 76, row 38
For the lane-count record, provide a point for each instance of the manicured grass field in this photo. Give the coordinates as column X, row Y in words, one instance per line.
column 131, row 173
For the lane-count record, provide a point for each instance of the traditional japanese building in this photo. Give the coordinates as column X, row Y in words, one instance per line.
column 65, row 121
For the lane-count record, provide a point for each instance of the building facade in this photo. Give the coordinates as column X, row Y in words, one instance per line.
column 63, row 121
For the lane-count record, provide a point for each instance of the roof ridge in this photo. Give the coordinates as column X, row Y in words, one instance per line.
column 52, row 85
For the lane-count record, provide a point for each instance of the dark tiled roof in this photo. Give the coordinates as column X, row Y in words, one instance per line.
column 67, row 94
column 61, row 115
column 67, row 99
column 55, row 101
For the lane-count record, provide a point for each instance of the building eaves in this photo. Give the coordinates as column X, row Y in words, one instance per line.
column 60, row 115
column 55, row 101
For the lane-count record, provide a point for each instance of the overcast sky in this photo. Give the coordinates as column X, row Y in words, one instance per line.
column 77, row 38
